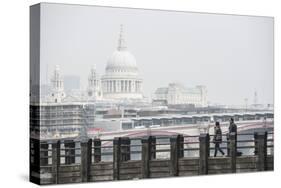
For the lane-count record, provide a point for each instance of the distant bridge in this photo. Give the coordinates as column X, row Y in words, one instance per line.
column 185, row 129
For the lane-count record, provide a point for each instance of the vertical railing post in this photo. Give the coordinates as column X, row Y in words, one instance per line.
column 181, row 145
column 152, row 145
column 204, row 140
column 228, row 145
column 116, row 157
column 146, row 155
column 69, row 146
column 175, row 154
column 86, row 159
column 261, row 147
column 125, row 149
column 55, row 161
column 97, row 150
column 232, row 151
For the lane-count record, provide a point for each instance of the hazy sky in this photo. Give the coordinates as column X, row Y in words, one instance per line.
column 231, row 55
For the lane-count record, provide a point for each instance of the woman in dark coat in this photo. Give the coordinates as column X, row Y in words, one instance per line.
column 217, row 139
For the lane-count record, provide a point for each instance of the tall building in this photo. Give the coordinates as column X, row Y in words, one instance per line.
column 94, row 85
column 177, row 94
column 71, row 83
column 121, row 79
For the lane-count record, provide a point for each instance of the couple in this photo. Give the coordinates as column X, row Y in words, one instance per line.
column 218, row 135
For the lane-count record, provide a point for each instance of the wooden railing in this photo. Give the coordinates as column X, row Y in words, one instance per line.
column 69, row 161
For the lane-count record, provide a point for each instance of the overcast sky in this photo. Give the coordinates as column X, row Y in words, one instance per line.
column 231, row 55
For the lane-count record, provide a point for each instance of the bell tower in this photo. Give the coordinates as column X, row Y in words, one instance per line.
column 94, row 85
column 57, row 91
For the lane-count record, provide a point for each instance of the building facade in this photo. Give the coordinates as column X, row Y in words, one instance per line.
column 177, row 94
column 58, row 120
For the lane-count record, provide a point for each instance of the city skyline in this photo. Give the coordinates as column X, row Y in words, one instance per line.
column 222, row 65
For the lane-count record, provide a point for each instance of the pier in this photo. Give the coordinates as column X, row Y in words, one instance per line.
column 124, row 158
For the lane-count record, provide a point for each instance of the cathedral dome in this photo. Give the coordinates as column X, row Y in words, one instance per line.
column 121, row 60
column 121, row 79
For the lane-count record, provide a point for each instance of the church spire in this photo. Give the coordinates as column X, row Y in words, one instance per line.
column 121, row 41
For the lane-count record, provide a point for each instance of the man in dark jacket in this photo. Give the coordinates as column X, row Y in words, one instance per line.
column 217, row 139
column 231, row 129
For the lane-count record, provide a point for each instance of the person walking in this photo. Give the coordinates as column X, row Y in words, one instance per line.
column 217, row 139
column 231, row 129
